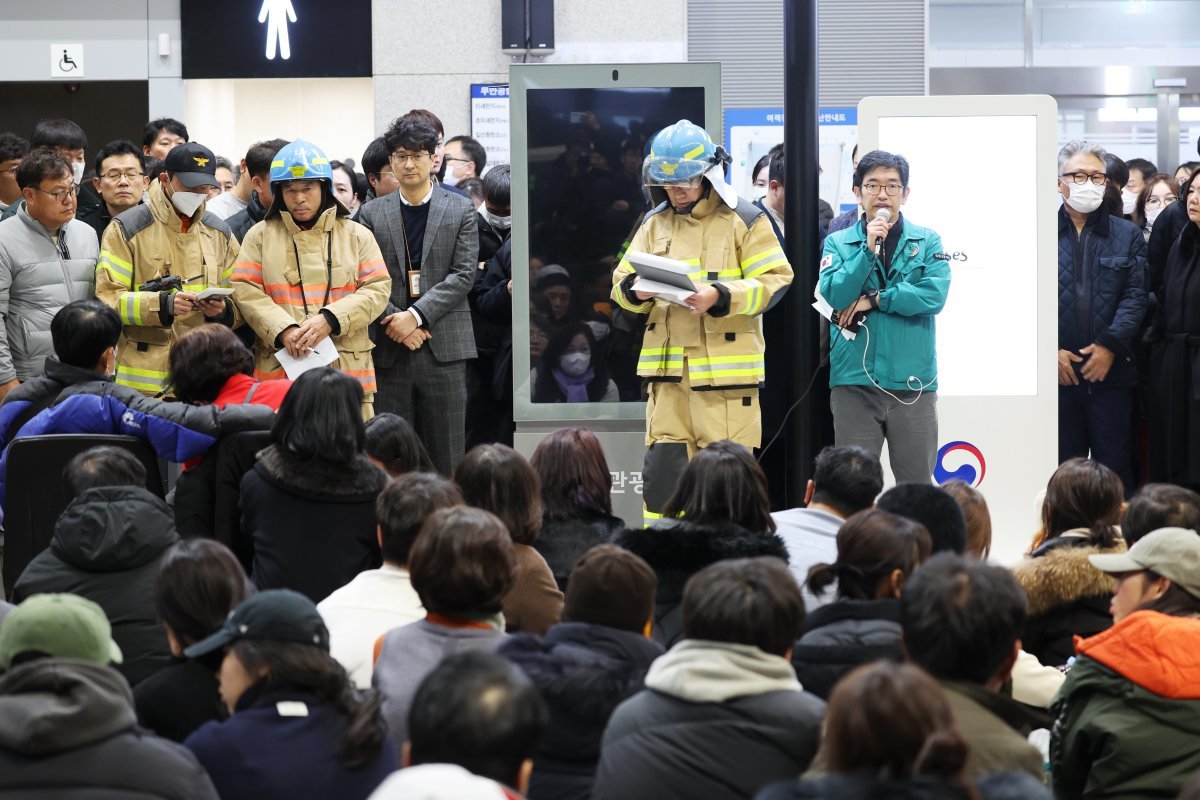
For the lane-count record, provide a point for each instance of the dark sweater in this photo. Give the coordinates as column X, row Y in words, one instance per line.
column 415, row 218
column 175, row 701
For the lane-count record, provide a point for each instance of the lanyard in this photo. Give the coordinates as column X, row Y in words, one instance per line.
column 328, row 273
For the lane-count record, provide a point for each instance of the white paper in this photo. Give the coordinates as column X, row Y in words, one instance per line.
column 323, row 354
column 825, row 310
column 214, row 291
column 664, row 291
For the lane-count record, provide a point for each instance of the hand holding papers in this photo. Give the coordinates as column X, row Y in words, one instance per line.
column 323, row 354
column 666, row 278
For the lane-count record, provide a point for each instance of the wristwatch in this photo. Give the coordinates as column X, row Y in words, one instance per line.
column 873, row 297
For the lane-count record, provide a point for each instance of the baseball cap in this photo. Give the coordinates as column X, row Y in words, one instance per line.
column 194, row 165
column 279, row 615
column 1173, row 553
column 61, row 626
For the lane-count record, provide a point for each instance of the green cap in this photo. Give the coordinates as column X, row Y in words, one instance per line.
column 277, row 614
column 61, row 626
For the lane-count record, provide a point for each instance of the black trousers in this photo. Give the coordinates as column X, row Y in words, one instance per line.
column 1093, row 420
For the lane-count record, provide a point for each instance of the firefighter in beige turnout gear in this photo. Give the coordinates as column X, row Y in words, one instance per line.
column 156, row 258
column 703, row 362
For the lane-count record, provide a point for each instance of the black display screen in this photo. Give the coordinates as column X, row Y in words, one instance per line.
column 586, row 148
column 308, row 38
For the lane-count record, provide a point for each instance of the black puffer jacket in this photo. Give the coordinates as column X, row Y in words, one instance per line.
column 678, row 552
column 68, row 732
column 106, row 547
column 562, row 542
column 861, row 786
column 582, row 672
column 312, row 522
column 844, row 635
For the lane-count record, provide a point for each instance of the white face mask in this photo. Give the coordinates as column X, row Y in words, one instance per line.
column 77, row 172
column 575, row 364
column 1085, row 197
column 496, row 221
column 449, row 178
column 186, row 202
column 1152, row 215
column 1128, row 201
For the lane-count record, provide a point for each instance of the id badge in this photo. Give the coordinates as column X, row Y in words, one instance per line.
column 414, row 283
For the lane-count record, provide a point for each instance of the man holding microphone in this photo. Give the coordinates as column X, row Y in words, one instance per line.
column 886, row 280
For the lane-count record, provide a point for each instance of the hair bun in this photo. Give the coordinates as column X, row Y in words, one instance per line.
column 944, row 753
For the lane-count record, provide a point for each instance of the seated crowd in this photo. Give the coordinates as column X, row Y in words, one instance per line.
column 364, row 627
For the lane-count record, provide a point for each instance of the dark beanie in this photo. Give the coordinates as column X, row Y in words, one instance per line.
column 610, row 586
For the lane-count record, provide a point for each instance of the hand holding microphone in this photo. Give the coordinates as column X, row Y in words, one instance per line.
column 877, row 231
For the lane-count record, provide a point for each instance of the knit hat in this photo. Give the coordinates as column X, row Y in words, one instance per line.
column 611, row 586
column 61, row 626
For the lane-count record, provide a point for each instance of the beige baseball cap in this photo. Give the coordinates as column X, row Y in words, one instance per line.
column 1173, row 553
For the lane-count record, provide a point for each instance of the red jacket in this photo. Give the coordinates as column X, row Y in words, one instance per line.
column 245, row 389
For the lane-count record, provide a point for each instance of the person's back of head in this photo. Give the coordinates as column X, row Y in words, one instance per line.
column 777, row 172
column 321, row 418
column 394, row 445
column 723, row 483
column 892, row 720
column 846, row 479
column 877, row 553
column 752, row 601
column 481, row 712
column 1160, row 505
column 979, row 519
column 962, row 620
column 933, row 508
column 199, row 582
column 1083, row 494
column 613, row 587
column 404, row 505
column 83, row 331
column 57, row 626
column 574, row 476
column 203, row 360
column 102, row 466
column 497, row 189
column 462, row 563
column 498, row 479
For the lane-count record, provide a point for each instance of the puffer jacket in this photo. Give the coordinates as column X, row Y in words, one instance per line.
column 68, row 732
column 716, row 720
column 899, row 342
column 843, row 635
column 583, row 672
column 241, row 222
column 679, row 551
column 1128, row 717
column 148, row 242
column 106, row 547
column 1102, row 289
column 176, row 431
column 37, row 278
column 1068, row 597
column 27, row 400
column 286, row 274
column 733, row 249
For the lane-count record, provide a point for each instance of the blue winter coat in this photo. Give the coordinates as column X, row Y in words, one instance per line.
column 1102, row 289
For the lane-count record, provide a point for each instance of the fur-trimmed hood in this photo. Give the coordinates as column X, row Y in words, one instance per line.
column 1059, row 573
column 356, row 482
column 678, row 552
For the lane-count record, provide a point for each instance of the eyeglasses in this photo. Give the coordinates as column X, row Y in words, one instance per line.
column 13, row 168
column 1081, row 178
column 130, row 175
column 452, row 158
column 1160, row 201
column 59, row 194
column 873, row 189
column 400, row 159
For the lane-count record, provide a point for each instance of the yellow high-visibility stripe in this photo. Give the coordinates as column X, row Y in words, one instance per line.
column 695, row 151
column 122, row 271
column 752, row 372
column 157, row 374
column 781, row 261
column 770, row 251
column 131, row 308
column 654, row 351
column 743, row 359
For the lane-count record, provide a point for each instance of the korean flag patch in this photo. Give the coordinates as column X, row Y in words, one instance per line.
column 826, row 262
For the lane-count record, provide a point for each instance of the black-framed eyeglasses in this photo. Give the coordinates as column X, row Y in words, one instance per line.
column 130, row 175
column 1081, row 178
column 452, row 158
column 873, row 189
column 403, row 158
column 59, row 194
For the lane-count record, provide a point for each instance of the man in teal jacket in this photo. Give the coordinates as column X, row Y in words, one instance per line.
column 886, row 281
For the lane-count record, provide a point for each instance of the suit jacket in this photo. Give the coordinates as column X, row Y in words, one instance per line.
column 449, row 258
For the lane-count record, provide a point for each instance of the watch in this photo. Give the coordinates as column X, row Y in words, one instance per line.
column 873, row 297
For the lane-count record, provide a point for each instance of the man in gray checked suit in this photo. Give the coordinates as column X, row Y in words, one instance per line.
column 430, row 242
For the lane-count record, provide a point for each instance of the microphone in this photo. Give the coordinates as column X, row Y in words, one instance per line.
column 885, row 215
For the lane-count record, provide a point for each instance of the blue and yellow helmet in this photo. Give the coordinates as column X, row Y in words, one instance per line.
column 680, row 155
column 301, row 161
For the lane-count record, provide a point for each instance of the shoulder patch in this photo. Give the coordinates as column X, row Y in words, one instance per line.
column 748, row 211
column 826, row 262
column 135, row 220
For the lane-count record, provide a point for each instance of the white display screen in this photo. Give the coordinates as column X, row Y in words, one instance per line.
column 974, row 181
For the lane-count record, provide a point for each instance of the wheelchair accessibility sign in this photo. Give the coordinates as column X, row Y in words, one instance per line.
column 66, row 61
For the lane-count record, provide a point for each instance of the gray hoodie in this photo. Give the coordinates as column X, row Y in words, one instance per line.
column 68, row 729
